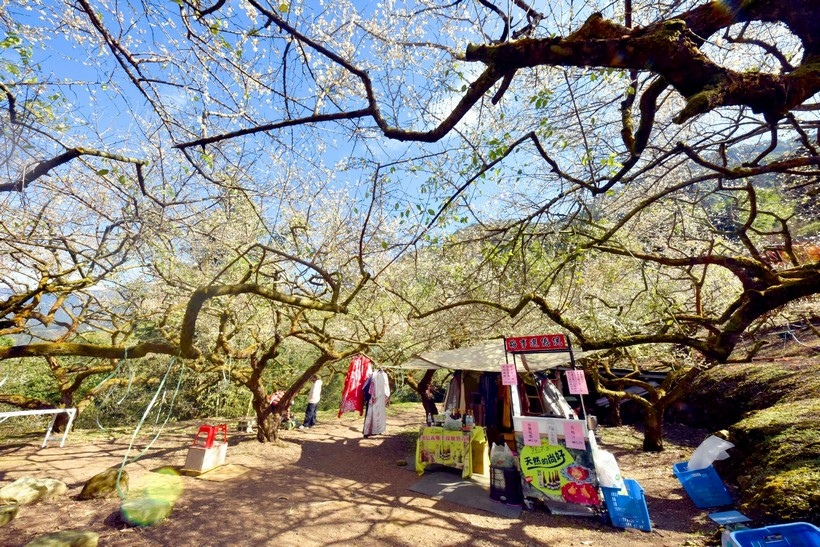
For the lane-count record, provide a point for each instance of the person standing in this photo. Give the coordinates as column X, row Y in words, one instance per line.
column 313, row 402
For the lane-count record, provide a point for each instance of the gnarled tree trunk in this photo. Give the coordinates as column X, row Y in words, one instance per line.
column 653, row 432
column 422, row 387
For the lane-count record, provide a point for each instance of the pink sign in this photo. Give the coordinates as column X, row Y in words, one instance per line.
column 508, row 376
column 531, row 435
column 577, row 382
column 574, row 435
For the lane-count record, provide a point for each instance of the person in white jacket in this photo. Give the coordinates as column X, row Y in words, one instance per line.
column 314, row 397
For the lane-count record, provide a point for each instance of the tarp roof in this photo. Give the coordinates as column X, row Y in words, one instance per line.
column 487, row 357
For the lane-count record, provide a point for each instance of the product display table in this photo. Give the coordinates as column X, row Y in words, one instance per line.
column 465, row 450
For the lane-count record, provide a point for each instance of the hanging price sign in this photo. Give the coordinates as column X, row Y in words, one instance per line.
column 574, row 435
column 531, row 435
column 552, row 434
column 508, row 376
column 577, row 382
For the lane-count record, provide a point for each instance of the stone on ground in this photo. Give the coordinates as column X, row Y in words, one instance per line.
column 27, row 490
column 66, row 538
column 7, row 513
column 104, row 485
column 145, row 511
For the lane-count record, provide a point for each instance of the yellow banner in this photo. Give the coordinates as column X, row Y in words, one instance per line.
column 437, row 445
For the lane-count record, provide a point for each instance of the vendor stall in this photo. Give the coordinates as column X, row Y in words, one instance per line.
column 555, row 452
column 465, row 450
column 514, row 394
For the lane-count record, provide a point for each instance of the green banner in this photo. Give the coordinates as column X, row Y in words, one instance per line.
column 559, row 473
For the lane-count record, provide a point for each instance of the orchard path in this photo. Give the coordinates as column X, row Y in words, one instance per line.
column 327, row 486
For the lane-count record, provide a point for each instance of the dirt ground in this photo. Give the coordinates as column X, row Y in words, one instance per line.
column 326, row 486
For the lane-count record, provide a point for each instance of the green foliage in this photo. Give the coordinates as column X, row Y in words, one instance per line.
column 131, row 388
column 30, row 378
column 542, row 98
column 404, row 394
column 13, row 42
column 213, row 394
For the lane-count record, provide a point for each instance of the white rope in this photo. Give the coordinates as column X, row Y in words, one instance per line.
column 145, row 414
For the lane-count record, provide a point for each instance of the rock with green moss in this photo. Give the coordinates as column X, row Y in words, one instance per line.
column 27, row 490
column 8, row 512
column 725, row 394
column 145, row 511
column 104, row 485
column 66, row 538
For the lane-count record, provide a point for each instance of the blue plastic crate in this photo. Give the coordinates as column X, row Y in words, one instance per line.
column 703, row 486
column 627, row 511
column 796, row 534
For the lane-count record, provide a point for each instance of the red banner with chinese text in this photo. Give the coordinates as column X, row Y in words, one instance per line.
column 536, row 343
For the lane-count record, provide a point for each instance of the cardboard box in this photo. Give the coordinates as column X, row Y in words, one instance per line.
column 200, row 460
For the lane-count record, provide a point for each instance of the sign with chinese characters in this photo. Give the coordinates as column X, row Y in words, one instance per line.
column 437, row 445
column 536, row 343
column 531, row 435
column 577, row 382
column 508, row 376
column 574, row 434
column 552, row 434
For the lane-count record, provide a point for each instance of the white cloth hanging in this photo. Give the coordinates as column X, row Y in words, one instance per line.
column 375, row 421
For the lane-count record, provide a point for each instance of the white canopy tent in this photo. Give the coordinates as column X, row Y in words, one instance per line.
column 488, row 357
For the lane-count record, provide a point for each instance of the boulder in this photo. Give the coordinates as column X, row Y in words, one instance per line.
column 7, row 513
column 27, row 490
column 66, row 538
column 104, row 485
column 145, row 511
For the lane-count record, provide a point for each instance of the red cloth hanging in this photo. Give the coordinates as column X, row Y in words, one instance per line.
column 352, row 394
